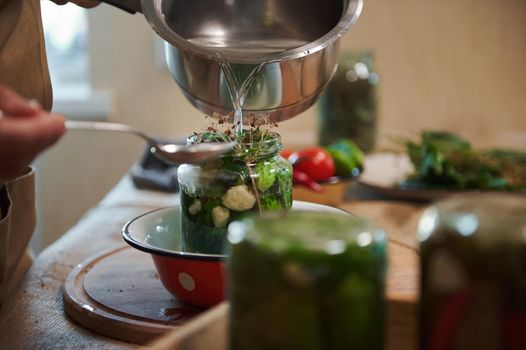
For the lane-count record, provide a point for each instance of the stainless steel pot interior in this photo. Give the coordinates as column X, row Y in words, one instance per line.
column 251, row 31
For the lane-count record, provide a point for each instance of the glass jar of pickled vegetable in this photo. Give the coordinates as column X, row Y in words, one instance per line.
column 306, row 280
column 473, row 281
column 348, row 106
column 253, row 178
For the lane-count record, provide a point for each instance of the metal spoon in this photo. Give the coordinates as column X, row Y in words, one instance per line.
column 170, row 152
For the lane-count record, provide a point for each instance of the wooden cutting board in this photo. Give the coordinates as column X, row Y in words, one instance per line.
column 118, row 294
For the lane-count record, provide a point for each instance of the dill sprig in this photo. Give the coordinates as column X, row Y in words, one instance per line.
column 255, row 139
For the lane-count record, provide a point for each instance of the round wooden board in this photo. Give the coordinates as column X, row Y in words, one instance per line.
column 118, row 294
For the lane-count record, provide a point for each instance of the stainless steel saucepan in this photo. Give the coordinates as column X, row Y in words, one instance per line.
column 298, row 39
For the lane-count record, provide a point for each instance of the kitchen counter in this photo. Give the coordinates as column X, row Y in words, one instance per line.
column 34, row 318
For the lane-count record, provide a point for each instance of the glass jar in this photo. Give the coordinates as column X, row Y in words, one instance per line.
column 348, row 106
column 473, row 280
column 306, row 280
column 252, row 178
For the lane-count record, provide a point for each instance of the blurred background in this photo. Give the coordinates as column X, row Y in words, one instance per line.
column 451, row 65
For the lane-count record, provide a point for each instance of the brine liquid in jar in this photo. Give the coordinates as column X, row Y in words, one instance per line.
column 306, row 280
column 253, row 178
column 473, row 273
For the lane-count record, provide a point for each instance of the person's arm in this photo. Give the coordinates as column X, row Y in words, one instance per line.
column 25, row 131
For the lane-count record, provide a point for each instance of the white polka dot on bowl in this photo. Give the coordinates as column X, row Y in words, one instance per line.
column 187, row 282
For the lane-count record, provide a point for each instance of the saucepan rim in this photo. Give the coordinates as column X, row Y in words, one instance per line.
column 153, row 13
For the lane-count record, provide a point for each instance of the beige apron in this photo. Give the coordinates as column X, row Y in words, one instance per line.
column 23, row 67
column 17, row 201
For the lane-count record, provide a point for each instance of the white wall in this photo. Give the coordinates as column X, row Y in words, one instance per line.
column 456, row 65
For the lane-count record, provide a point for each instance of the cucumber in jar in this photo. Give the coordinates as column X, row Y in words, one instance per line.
column 326, row 270
column 251, row 179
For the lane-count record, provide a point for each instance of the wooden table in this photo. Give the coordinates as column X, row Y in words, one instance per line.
column 33, row 318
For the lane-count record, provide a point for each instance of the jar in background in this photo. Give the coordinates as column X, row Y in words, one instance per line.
column 473, row 273
column 306, row 280
column 348, row 106
column 252, row 178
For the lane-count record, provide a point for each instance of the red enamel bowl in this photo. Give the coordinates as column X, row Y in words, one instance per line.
column 197, row 279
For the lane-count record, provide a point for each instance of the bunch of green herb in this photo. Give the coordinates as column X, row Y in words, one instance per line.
column 255, row 139
column 444, row 160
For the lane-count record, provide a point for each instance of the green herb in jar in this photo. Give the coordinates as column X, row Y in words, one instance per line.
column 306, row 280
column 252, row 178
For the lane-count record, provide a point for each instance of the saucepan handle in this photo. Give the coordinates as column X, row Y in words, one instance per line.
column 131, row 6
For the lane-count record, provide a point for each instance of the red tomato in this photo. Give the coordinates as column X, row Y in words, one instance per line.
column 315, row 162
